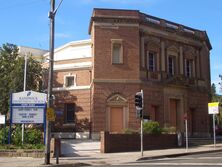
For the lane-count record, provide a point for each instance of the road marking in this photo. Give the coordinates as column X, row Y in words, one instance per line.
column 172, row 164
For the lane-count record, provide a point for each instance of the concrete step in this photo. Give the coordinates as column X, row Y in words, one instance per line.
column 79, row 147
column 203, row 141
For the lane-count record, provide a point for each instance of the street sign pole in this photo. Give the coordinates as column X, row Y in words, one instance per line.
column 24, row 89
column 213, row 108
column 214, row 131
column 4, row 130
column 141, row 136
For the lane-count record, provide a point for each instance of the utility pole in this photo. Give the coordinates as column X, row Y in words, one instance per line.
column 50, row 79
column 52, row 14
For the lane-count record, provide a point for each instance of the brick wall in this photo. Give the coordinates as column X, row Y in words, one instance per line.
column 102, row 91
column 102, row 53
column 81, row 98
column 131, row 142
column 82, row 77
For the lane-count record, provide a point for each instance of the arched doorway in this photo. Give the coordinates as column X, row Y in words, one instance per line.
column 117, row 114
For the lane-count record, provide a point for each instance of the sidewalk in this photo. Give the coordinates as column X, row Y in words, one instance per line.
column 119, row 158
column 86, row 157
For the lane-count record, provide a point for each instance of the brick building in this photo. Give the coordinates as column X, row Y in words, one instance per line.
column 96, row 79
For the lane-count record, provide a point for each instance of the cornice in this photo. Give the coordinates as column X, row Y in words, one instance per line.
column 155, row 22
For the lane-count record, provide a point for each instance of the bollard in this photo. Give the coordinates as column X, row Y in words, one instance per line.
column 57, row 150
column 179, row 139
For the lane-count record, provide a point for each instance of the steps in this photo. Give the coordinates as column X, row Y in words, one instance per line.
column 193, row 141
column 79, row 147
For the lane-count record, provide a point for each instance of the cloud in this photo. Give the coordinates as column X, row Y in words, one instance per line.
column 62, row 35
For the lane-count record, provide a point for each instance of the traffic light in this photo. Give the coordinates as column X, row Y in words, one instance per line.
column 139, row 100
column 139, row 104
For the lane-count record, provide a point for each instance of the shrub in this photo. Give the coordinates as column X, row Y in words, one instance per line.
column 4, row 135
column 151, row 127
column 16, row 135
column 33, row 136
column 130, row 131
column 169, row 130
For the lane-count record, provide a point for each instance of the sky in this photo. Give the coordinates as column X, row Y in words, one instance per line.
column 26, row 22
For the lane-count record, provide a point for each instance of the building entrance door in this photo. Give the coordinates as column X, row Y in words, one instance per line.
column 116, row 119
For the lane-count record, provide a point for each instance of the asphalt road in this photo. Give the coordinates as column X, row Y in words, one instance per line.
column 207, row 159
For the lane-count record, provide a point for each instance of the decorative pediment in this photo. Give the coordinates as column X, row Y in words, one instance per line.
column 173, row 48
column 189, row 52
column 116, row 98
column 153, row 46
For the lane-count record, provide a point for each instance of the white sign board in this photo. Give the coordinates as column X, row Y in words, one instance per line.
column 28, row 97
column 213, row 108
column 27, row 115
column 2, row 119
column 28, row 107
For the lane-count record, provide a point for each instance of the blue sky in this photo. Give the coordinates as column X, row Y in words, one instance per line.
column 26, row 23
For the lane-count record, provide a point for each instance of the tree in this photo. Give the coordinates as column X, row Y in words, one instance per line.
column 12, row 74
column 220, row 83
column 213, row 93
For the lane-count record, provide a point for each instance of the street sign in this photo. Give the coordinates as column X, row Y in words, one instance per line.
column 50, row 114
column 28, row 107
column 213, row 108
column 2, row 119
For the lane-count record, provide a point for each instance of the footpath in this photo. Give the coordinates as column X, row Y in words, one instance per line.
column 89, row 157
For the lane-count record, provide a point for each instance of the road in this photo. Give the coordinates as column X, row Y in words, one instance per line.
column 207, row 159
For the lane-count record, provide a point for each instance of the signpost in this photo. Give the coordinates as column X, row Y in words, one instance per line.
column 3, row 121
column 27, row 107
column 213, row 108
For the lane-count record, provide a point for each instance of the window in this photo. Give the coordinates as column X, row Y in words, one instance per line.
column 117, row 52
column 188, row 67
column 151, row 61
column 70, row 112
column 69, row 81
column 171, row 65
